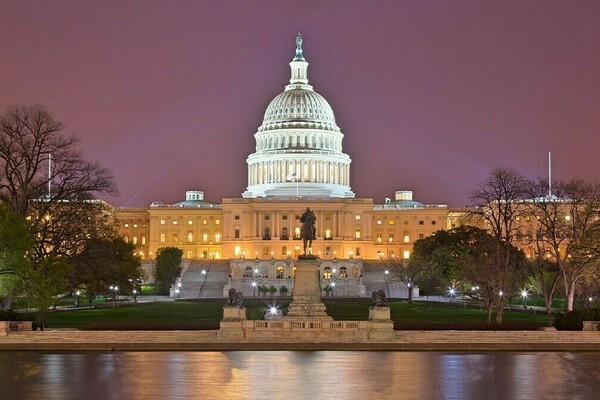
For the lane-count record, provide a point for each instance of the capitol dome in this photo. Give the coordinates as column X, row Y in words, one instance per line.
column 299, row 145
column 299, row 106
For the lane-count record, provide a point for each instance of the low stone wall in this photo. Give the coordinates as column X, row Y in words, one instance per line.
column 7, row 326
column 591, row 325
column 379, row 327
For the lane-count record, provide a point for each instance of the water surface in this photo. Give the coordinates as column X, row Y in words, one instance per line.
column 299, row 375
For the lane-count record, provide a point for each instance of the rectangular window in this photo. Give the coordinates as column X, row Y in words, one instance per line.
column 162, row 222
column 126, row 225
column 421, row 222
column 237, row 217
column 391, row 254
column 135, row 225
column 357, row 234
column 163, row 237
column 143, row 239
column 285, row 217
column 391, row 238
column 327, row 233
column 190, row 254
column 174, row 238
column 205, row 237
column 406, row 238
column 217, row 237
column 217, row 222
column 433, row 222
column 204, row 222
column 204, row 253
column 135, row 240
column 174, row 222
column 358, row 251
column 391, row 222
column 297, row 217
column 379, row 238
column 378, row 222
column 236, row 234
column 284, row 250
column 357, row 217
column 421, row 236
column 406, row 254
column 267, row 217
column 327, row 250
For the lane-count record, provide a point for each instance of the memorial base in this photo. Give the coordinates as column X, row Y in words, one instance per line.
column 381, row 327
column 306, row 300
column 233, row 323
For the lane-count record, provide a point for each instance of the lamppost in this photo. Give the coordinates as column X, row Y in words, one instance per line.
column 452, row 293
column 524, row 295
column 386, row 274
column 114, row 290
column 254, row 284
column 77, row 294
column 178, row 290
column 203, row 272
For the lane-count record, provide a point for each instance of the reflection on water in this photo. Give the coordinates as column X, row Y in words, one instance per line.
column 298, row 375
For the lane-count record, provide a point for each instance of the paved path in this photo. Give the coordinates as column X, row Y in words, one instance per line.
column 65, row 340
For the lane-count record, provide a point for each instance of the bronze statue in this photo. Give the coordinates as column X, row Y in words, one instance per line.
column 299, row 55
column 379, row 299
column 308, row 230
column 231, row 295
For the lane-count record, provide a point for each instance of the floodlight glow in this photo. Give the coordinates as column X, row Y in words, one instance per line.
column 332, row 284
column 501, row 293
column 386, row 272
column 524, row 293
column 203, row 272
column 253, row 284
column 452, row 292
column 273, row 310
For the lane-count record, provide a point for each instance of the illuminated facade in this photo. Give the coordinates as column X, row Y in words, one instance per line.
column 298, row 163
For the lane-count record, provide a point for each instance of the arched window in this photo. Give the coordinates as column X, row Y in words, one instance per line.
column 297, row 233
column 327, row 273
column 343, row 272
column 267, row 233
column 284, row 233
column 280, row 272
column 248, row 272
column 190, row 236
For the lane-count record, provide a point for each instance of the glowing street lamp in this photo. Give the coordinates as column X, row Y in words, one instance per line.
column 524, row 295
column 254, row 284
column 452, row 293
column 114, row 289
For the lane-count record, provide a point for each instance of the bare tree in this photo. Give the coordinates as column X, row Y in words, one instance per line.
column 544, row 232
column 567, row 230
column 498, row 203
column 57, row 199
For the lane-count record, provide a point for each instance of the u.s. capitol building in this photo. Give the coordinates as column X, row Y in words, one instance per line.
column 298, row 163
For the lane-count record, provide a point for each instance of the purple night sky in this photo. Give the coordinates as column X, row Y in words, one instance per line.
column 431, row 95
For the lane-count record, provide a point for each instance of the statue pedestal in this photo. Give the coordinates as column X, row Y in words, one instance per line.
column 233, row 323
column 306, row 299
column 380, row 325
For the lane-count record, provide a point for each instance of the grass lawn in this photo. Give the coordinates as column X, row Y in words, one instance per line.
column 206, row 314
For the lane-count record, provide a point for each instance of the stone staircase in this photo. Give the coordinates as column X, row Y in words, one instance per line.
column 195, row 284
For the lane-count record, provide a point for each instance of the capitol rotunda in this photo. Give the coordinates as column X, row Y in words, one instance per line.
column 299, row 145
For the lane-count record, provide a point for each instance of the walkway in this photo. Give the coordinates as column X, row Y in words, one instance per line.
column 65, row 340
